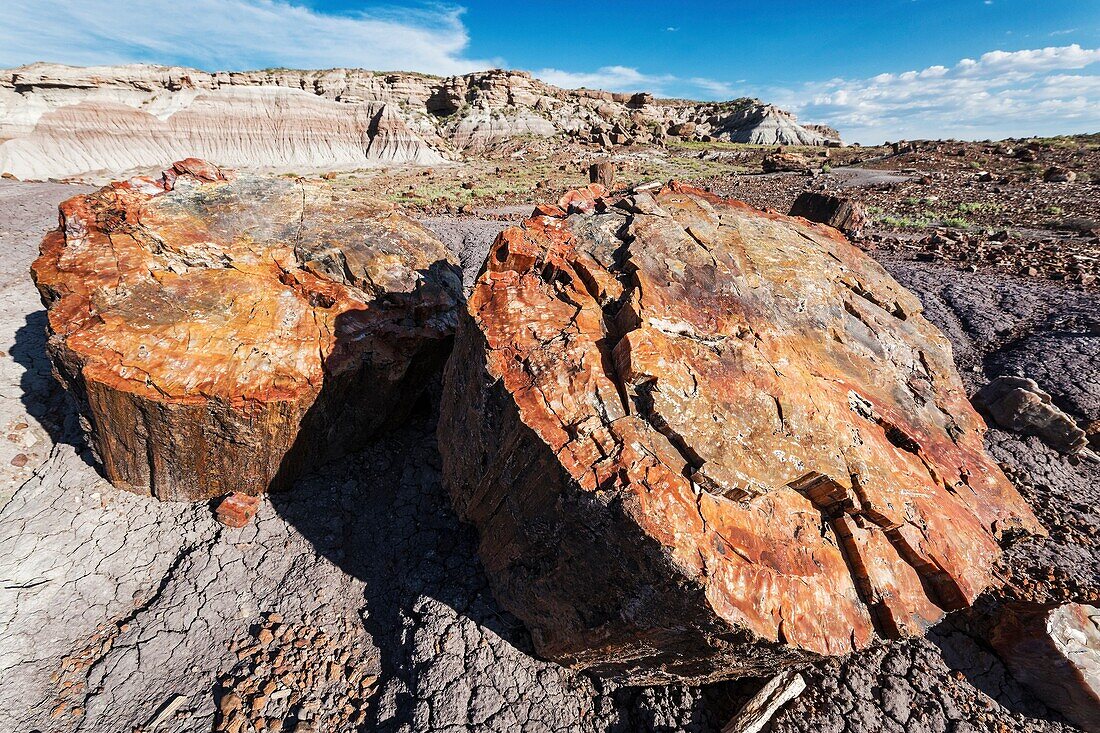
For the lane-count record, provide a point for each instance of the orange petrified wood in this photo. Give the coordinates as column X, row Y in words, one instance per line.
column 702, row 441
column 220, row 335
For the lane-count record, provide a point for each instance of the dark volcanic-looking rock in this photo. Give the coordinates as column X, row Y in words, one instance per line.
column 222, row 335
column 701, row 441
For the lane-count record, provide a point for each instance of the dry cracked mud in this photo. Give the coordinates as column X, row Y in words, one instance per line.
column 114, row 606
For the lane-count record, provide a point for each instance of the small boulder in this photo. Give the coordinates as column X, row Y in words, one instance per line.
column 784, row 163
column 682, row 129
column 1054, row 651
column 602, row 173
column 1019, row 405
column 1059, row 174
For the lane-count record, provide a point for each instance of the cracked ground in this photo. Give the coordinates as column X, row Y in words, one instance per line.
column 356, row 602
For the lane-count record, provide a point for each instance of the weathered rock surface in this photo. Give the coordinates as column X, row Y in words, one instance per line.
column 1055, row 653
column 58, row 121
column 222, row 335
column 700, row 441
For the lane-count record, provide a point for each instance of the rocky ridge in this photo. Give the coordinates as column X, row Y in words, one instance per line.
column 54, row 118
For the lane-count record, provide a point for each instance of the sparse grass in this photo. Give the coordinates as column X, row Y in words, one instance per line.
column 1091, row 140
column 906, row 222
column 917, row 201
column 976, row 207
column 955, row 222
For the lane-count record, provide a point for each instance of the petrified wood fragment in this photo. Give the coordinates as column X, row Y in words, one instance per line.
column 1055, row 653
column 222, row 335
column 701, row 441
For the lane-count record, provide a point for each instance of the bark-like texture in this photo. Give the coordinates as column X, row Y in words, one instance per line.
column 701, row 441
column 222, row 335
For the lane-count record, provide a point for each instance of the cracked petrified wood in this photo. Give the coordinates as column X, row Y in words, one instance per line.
column 222, row 335
column 701, row 441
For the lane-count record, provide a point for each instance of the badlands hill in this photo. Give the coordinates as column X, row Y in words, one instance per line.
column 59, row 121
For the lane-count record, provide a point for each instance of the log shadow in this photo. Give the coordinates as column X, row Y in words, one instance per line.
column 42, row 395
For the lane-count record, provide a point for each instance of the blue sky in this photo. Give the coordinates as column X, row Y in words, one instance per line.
column 885, row 69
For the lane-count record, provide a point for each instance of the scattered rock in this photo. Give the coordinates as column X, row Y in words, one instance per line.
column 1055, row 653
column 702, row 441
column 1018, row 404
column 237, row 509
column 839, row 213
column 682, row 129
column 221, row 336
column 1059, row 174
column 165, row 713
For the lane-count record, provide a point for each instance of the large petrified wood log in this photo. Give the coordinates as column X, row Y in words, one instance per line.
column 222, row 335
column 701, row 441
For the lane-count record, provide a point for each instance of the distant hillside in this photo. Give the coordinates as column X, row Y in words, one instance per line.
column 58, row 121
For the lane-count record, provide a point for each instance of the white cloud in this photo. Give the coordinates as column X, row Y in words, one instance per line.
column 613, row 78
column 629, row 79
column 232, row 35
column 999, row 94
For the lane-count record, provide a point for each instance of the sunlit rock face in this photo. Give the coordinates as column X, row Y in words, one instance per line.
column 97, row 122
column 702, row 441
column 222, row 335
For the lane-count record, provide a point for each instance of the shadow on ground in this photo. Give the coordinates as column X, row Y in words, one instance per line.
column 450, row 655
column 43, row 397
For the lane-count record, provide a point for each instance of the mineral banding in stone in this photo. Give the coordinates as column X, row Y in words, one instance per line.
column 701, row 441
column 222, row 335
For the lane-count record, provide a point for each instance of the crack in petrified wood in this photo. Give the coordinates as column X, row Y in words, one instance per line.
column 752, row 401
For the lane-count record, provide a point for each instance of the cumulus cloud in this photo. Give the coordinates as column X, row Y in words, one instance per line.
column 233, row 35
column 614, row 78
column 999, row 94
column 629, row 79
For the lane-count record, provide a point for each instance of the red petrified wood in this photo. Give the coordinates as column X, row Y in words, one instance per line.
column 221, row 335
column 700, row 441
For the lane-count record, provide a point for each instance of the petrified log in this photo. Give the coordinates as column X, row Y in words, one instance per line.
column 222, row 335
column 840, row 213
column 702, row 441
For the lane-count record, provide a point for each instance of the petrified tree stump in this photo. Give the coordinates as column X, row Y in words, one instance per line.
column 700, row 441
column 222, row 335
